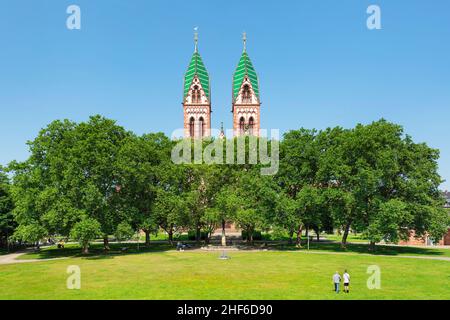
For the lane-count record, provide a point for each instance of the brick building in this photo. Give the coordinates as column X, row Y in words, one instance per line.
column 445, row 241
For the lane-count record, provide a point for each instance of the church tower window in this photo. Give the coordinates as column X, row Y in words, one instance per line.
column 246, row 94
column 201, row 127
column 196, row 95
column 242, row 126
column 191, row 127
column 251, row 123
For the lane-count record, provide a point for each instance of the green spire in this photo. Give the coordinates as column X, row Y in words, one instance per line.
column 196, row 68
column 245, row 68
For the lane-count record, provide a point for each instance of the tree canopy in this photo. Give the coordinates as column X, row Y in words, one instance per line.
column 372, row 179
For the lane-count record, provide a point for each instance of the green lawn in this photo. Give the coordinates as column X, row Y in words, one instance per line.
column 96, row 249
column 360, row 248
column 351, row 238
column 167, row 274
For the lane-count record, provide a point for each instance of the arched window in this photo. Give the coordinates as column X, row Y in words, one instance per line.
column 251, row 124
column 201, row 127
column 246, row 94
column 196, row 95
column 191, row 127
column 241, row 126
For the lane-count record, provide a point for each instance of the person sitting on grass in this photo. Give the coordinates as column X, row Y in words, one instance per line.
column 180, row 246
column 336, row 281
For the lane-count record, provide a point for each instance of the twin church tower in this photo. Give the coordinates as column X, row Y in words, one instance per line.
column 197, row 98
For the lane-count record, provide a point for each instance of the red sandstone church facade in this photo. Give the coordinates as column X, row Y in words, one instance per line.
column 197, row 98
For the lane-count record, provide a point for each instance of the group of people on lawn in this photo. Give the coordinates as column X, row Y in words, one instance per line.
column 337, row 281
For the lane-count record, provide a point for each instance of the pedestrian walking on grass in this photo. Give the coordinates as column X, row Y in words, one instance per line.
column 336, row 281
column 346, row 277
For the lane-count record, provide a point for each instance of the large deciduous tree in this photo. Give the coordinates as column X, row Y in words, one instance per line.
column 387, row 183
column 71, row 174
column 7, row 222
column 142, row 165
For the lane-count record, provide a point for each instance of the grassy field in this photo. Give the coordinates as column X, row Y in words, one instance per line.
column 160, row 273
column 351, row 238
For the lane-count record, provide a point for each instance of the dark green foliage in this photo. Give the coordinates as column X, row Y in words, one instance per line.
column 256, row 235
column 7, row 223
column 372, row 179
column 192, row 235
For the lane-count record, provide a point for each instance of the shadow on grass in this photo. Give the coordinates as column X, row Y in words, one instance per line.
column 12, row 249
column 361, row 248
column 96, row 251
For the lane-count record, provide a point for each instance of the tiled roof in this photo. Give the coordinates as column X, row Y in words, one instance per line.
column 196, row 67
column 245, row 67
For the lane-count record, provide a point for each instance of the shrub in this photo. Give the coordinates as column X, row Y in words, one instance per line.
column 256, row 235
column 30, row 233
column 192, row 235
column 124, row 232
column 85, row 231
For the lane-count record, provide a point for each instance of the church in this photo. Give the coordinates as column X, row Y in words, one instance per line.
column 245, row 99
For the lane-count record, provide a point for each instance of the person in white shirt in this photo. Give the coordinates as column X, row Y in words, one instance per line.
column 346, row 281
column 336, row 281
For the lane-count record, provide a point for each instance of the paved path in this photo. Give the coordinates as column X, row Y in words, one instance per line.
column 12, row 258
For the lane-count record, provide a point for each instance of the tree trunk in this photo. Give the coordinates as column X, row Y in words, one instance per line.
column 223, row 226
column 307, row 235
column 170, row 233
column 197, row 235
column 208, row 237
column 291, row 236
column 85, row 249
column 372, row 246
column 344, row 237
column 147, row 237
column 250, row 236
column 7, row 241
column 106, row 243
column 299, row 236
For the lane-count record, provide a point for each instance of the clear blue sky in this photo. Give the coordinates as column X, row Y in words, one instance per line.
column 318, row 64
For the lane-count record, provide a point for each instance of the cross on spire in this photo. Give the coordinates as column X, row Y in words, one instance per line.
column 222, row 132
column 244, row 40
column 196, row 38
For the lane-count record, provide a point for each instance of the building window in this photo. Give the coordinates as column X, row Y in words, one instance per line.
column 196, row 95
column 251, row 124
column 242, row 126
column 246, row 94
column 201, row 128
column 191, row 127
